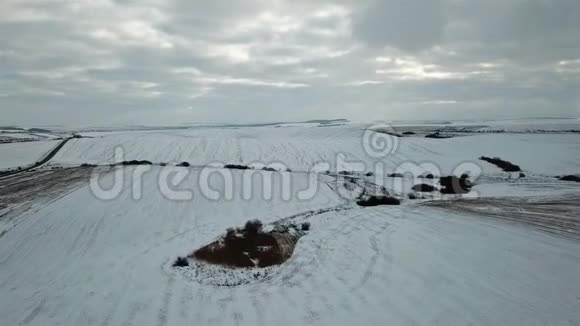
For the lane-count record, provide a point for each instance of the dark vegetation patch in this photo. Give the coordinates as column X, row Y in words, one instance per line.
column 454, row 185
column 181, row 262
column 428, row 176
column 136, row 162
column 438, row 135
column 236, row 166
column 266, row 168
column 504, row 165
column 378, row 200
column 369, row 174
column 395, row 175
column 87, row 165
column 387, row 132
column 184, row 164
column 423, row 187
column 40, row 130
column 408, row 133
column 251, row 246
column 574, row 178
column 414, row 195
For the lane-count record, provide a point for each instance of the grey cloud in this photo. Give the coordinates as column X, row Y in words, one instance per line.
column 152, row 61
column 409, row 25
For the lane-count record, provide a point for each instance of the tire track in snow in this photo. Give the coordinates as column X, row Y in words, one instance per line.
column 33, row 313
column 163, row 313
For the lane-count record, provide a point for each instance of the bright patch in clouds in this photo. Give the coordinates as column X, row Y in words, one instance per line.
column 105, row 61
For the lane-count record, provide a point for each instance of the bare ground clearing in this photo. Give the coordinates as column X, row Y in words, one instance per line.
column 553, row 215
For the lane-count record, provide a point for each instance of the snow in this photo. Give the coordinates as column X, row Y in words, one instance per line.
column 83, row 261
column 300, row 148
column 75, row 259
column 23, row 154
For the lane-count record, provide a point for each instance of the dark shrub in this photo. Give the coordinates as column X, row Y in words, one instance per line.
column 423, row 188
column 267, row 168
column 429, row 176
column 522, row 175
column 395, row 175
column 184, row 164
column 181, row 262
column 87, row 165
column 574, row 178
column 305, row 226
column 378, row 200
column 454, row 185
column 438, row 135
column 136, row 162
column 464, row 176
column 504, row 165
column 230, row 232
column 253, row 226
column 236, row 166
column 369, row 174
column 408, row 133
column 412, row 195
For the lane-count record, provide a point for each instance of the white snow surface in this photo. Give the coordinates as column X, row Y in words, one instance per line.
column 300, row 148
column 13, row 155
column 80, row 260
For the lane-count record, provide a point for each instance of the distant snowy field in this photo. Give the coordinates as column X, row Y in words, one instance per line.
column 74, row 259
column 14, row 155
column 300, row 148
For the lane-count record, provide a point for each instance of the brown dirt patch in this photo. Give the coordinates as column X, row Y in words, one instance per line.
column 245, row 248
column 553, row 215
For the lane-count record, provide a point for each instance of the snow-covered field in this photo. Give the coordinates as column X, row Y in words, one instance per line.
column 300, row 148
column 78, row 260
column 15, row 155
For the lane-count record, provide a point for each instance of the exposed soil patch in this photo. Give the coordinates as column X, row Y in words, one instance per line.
column 19, row 192
column 553, row 215
column 251, row 246
column 504, row 165
column 574, row 178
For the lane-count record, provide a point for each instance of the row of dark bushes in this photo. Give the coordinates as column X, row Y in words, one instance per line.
column 504, row 165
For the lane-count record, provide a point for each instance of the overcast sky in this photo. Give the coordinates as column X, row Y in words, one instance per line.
column 184, row 61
